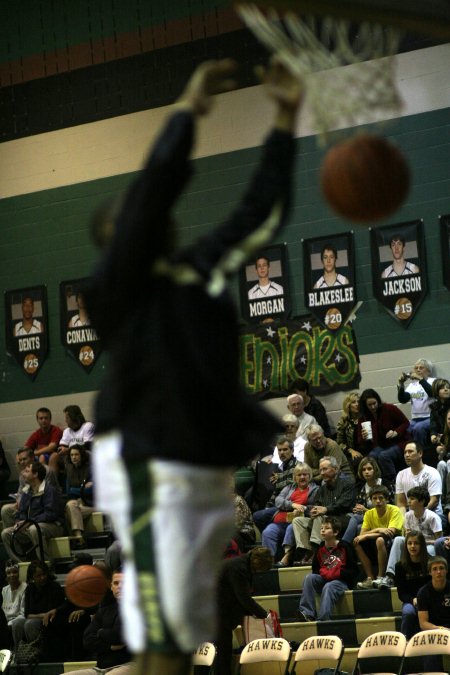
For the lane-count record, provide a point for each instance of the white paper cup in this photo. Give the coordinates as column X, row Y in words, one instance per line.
column 368, row 427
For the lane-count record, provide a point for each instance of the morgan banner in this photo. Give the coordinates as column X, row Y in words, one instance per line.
column 399, row 268
column 27, row 327
column 77, row 334
column 264, row 286
column 273, row 355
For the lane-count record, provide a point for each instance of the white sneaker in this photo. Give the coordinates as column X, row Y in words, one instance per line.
column 386, row 582
column 367, row 583
column 377, row 582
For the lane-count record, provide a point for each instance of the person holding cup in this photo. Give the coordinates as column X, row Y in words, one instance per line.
column 382, row 433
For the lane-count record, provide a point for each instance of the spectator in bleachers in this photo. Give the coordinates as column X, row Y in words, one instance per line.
column 39, row 502
column 418, row 519
column 13, row 605
column 296, row 407
column 389, row 433
column 433, row 608
column 235, row 600
column 103, row 637
column 312, row 405
column 380, row 525
column 291, row 424
column 411, row 573
column 346, row 430
column 318, row 446
column 419, row 394
column 335, row 497
column 334, row 570
column 77, row 432
column 45, row 440
column 5, row 473
column 293, row 500
column 443, row 452
column 79, row 490
column 43, row 595
column 24, row 457
column 369, row 476
column 244, row 534
column 418, row 473
column 281, row 477
column 438, row 409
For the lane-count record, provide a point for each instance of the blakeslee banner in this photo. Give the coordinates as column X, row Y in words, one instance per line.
column 399, row 268
column 26, row 327
column 77, row 334
column 273, row 355
column 329, row 277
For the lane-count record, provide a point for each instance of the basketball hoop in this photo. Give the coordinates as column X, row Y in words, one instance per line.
column 307, row 45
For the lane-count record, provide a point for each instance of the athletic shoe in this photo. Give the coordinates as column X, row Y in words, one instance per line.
column 386, row 582
column 366, row 584
column 301, row 616
column 377, row 582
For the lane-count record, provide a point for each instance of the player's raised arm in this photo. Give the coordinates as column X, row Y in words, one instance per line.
column 286, row 90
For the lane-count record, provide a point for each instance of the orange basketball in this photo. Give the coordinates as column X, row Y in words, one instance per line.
column 365, row 178
column 85, row 586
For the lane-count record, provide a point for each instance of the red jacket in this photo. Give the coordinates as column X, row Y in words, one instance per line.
column 389, row 418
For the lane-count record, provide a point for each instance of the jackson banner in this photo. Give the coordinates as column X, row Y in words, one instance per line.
column 399, row 268
column 264, row 286
column 445, row 248
column 27, row 327
column 272, row 356
column 329, row 278
column 77, row 334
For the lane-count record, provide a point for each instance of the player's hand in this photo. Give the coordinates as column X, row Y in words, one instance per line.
column 285, row 88
column 391, row 434
column 210, row 78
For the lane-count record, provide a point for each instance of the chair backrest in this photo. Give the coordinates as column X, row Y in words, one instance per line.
column 265, row 656
column 386, row 644
column 204, row 655
column 429, row 643
column 5, row 658
column 318, row 648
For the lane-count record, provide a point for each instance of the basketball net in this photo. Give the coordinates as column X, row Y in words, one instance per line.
column 301, row 44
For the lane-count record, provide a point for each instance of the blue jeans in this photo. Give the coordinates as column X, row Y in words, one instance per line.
column 273, row 535
column 390, row 460
column 441, row 550
column 263, row 517
column 420, row 431
column 330, row 592
column 353, row 527
column 410, row 622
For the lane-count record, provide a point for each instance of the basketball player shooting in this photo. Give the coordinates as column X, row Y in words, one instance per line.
column 171, row 417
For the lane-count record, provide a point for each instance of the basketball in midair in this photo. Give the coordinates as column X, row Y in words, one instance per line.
column 365, row 178
column 85, row 586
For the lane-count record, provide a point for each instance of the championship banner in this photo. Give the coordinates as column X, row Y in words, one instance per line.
column 26, row 324
column 264, row 286
column 445, row 248
column 77, row 334
column 329, row 278
column 399, row 268
column 272, row 356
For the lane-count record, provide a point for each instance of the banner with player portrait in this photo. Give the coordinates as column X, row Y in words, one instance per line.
column 26, row 324
column 329, row 278
column 77, row 334
column 273, row 355
column 445, row 248
column 264, row 286
column 399, row 268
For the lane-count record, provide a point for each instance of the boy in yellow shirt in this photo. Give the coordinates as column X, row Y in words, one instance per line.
column 380, row 525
